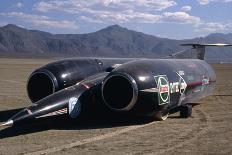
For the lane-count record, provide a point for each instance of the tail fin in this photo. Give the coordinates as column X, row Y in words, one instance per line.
column 198, row 51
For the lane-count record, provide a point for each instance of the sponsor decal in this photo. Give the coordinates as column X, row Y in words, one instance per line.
column 182, row 88
column 163, row 89
column 59, row 112
column 74, row 107
column 183, row 85
column 181, row 73
column 174, row 87
column 205, row 81
column 179, row 86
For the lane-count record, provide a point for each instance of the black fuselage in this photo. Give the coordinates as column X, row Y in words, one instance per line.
column 133, row 86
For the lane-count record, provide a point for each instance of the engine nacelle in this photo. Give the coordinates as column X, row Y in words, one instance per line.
column 59, row 75
column 149, row 86
column 64, row 73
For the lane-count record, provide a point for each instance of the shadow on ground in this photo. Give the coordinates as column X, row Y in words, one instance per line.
column 63, row 122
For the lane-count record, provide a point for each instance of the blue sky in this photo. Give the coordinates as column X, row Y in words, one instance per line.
column 163, row 18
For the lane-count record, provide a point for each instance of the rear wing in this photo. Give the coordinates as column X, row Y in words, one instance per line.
column 197, row 52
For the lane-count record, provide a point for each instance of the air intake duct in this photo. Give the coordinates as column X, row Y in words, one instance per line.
column 41, row 84
column 119, row 92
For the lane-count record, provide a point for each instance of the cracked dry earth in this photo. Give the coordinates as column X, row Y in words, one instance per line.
column 208, row 131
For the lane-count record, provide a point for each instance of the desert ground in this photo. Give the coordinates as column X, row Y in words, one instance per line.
column 208, row 131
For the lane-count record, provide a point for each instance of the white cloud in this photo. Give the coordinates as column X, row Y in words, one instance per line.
column 155, row 4
column 186, row 8
column 213, row 27
column 205, row 2
column 90, row 20
column 102, row 15
column 119, row 11
column 74, row 6
column 19, row 5
column 56, row 5
column 180, row 17
column 122, row 17
column 41, row 20
column 139, row 17
column 131, row 16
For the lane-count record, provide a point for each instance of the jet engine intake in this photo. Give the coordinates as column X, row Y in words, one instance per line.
column 120, row 92
column 41, row 84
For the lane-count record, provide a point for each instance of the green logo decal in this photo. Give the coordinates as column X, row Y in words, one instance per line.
column 164, row 89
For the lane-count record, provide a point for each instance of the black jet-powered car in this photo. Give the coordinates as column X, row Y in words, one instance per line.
column 136, row 86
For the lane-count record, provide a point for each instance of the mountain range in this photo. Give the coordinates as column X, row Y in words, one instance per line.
column 112, row 41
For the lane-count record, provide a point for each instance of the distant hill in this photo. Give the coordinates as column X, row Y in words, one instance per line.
column 113, row 41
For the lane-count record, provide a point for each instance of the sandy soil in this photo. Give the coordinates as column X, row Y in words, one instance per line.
column 208, row 131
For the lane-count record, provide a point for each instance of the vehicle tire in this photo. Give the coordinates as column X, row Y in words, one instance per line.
column 185, row 111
